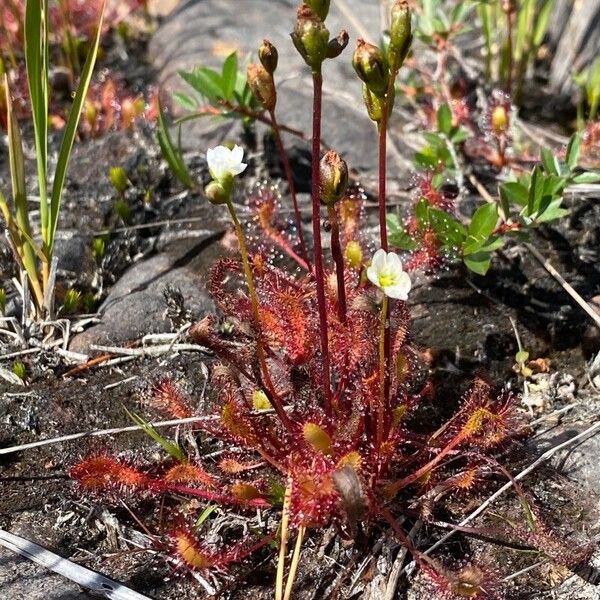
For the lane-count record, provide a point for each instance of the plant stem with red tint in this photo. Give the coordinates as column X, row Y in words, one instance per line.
column 290, row 179
column 383, row 363
column 271, row 392
column 383, row 126
column 316, row 223
column 338, row 259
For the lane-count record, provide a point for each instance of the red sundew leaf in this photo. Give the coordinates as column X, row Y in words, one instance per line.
column 97, row 473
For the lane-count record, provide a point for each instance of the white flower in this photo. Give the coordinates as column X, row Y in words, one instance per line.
column 387, row 274
column 222, row 161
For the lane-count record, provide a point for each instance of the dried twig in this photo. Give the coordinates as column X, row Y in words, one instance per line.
column 103, row 432
column 565, row 285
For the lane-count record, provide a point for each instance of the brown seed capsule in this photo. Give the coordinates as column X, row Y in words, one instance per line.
column 334, row 177
column 370, row 65
column 400, row 33
column 311, row 37
column 268, row 56
column 262, row 85
column 336, row 45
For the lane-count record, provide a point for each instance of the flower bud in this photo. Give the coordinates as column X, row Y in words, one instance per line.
column 260, row 400
column 334, row 177
column 354, row 254
column 499, row 119
column 321, row 7
column 262, row 85
column 268, row 56
column 317, row 437
column 375, row 104
column 370, row 65
column 336, row 45
column 311, row 37
column 216, row 193
column 400, row 33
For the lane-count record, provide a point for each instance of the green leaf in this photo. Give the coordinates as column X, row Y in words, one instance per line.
column 397, row 235
column 171, row 153
column 185, row 101
column 229, row 76
column 536, row 190
column 206, row 82
column 549, row 161
column 22, row 231
column 171, row 448
column 541, row 22
column 573, row 150
column 522, row 357
column 70, row 130
column 36, row 58
column 587, row 177
column 205, row 514
column 449, row 230
column 482, row 225
column 444, row 119
column 515, row 192
column 426, row 158
column 460, row 135
column 422, row 213
column 552, row 212
column 479, row 262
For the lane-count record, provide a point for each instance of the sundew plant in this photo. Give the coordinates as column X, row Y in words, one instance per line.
column 317, row 387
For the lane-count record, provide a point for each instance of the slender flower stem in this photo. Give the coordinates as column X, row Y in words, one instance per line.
column 338, row 258
column 316, row 223
column 383, row 176
column 295, row 562
column 509, row 43
column 383, row 365
column 285, row 519
column 273, row 397
column 292, row 186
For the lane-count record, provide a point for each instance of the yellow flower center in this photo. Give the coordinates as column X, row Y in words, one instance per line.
column 386, row 280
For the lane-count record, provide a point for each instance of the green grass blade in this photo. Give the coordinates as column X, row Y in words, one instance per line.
column 171, row 448
column 71, row 130
column 170, row 153
column 36, row 58
column 25, row 244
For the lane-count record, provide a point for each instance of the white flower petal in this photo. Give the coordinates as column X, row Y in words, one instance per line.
column 237, row 154
column 223, row 161
column 393, row 262
column 239, row 168
column 400, row 289
column 373, row 276
column 379, row 260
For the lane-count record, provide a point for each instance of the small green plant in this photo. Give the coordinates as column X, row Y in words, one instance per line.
column 20, row 370
column 513, row 33
column 71, row 301
column 589, row 83
column 37, row 259
column 119, row 180
column 2, row 301
column 99, row 248
column 434, row 234
column 224, row 93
